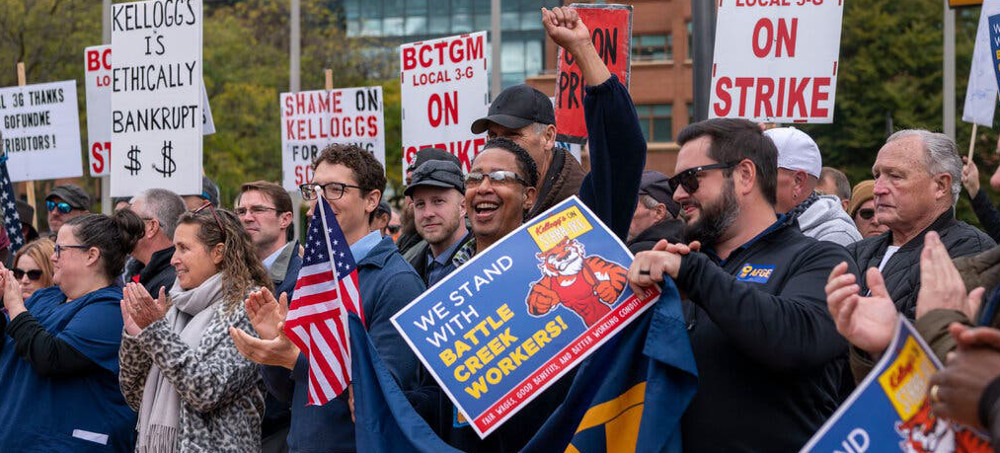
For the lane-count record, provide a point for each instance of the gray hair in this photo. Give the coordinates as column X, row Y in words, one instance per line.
column 940, row 156
column 163, row 205
column 648, row 201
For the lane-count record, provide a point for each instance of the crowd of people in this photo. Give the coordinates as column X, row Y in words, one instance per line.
column 159, row 328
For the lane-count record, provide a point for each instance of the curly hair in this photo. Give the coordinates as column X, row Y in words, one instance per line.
column 525, row 163
column 241, row 270
column 367, row 169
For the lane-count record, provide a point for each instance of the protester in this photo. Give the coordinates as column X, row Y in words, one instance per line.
column 985, row 211
column 352, row 181
column 209, row 193
column 380, row 218
column 27, row 215
column 799, row 166
column 655, row 215
column 438, row 193
column 409, row 240
column 862, row 210
column 120, row 203
column 265, row 209
column 757, row 311
column 179, row 368
column 834, row 182
column 392, row 229
column 917, row 177
column 159, row 209
column 33, row 266
column 967, row 390
column 59, row 363
column 64, row 203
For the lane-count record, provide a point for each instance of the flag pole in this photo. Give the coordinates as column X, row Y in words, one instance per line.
column 30, row 184
column 321, row 203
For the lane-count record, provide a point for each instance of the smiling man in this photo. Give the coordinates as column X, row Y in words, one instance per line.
column 438, row 195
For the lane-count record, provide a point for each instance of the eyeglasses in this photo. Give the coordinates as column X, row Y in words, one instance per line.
column 212, row 209
column 33, row 274
column 866, row 213
column 60, row 248
column 500, row 176
column 255, row 210
column 688, row 179
column 393, row 229
column 331, row 190
column 63, row 206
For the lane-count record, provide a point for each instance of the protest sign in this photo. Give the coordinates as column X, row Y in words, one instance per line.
column 506, row 325
column 311, row 120
column 97, row 61
column 981, row 91
column 994, row 27
column 444, row 88
column 156, row 96
column 891, row 411
column 41, row 131
column 776, row 61
column 611, row 31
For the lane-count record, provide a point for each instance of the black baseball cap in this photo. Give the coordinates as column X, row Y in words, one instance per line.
column 437, row 173
column 516, row 107
column 429, row 154
column 657, row 185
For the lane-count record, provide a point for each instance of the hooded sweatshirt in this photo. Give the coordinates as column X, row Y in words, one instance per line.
column 826, row 220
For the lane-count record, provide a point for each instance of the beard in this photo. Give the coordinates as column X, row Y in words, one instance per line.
column 715, row 218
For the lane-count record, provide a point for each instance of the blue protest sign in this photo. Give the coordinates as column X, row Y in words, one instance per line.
column 994, row 26
column 890, row 409
column 506, row 325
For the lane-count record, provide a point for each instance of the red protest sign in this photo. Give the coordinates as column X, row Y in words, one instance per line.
column 611, row 31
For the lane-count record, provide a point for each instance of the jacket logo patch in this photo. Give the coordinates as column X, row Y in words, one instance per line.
column 755, row 273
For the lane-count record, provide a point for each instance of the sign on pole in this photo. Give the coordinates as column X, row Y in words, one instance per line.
column 444, row 88
column 156, row 96
column 981, row 91
column 891, row 409
column 311, row 120
column 776, row 62
column 41, row 131
column 509, row 323
column 611, row 32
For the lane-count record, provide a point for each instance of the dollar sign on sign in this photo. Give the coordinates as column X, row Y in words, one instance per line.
column 169, row 166
column 133, row 165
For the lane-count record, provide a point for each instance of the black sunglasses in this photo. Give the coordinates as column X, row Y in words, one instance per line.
column 33, row 275
column 393, row 229
column 867, row 213
column 688, row 179
column 63, row 206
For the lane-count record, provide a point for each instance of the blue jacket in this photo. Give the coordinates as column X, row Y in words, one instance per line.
column 387, row 284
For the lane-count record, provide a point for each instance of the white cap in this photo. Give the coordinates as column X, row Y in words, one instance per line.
column 796, row 150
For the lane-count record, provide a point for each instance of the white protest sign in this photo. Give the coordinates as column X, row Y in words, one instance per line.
column 97, row 61
column 776, row 60
column 41, row 131
column 156, row 96
column 444, row 88
column 311, row 120
column 981, row 92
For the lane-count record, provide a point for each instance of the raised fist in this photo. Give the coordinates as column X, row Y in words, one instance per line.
column 541, row 299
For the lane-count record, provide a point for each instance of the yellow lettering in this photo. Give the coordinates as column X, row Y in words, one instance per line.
column 493, row 376
column 504, row 312
column 496, row 347
column 460, row 374
column 447, row 357
column 477, row 388
column 541, row 338
column 506, row 365
column 473, row 364
column 530, row 347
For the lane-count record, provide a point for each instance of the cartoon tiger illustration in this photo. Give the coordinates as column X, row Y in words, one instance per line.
column 925, row 433
column 587, row 285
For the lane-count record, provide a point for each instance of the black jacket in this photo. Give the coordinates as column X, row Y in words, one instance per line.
column 419, row 261
column 902, row 272
column 158, row 273
column 771, row 365
column 987, row 214
column 672, row 230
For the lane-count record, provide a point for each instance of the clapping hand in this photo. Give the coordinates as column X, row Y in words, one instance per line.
column 139, row 309
column 12, row 299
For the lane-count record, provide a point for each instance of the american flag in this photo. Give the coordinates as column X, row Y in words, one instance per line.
column 11, row 219
column 326, row 290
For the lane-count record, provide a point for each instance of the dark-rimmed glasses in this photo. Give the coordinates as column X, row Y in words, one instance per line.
column 63, row 206
column 211, row 208
column 688, row 179
column 476, row 178
column 33, row 274
column 59, row 248
column 331, row 190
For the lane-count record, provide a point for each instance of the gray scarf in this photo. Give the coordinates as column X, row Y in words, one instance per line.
column 189, row 316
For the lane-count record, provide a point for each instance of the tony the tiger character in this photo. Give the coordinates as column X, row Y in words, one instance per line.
column 926, row 433
column 587, row 285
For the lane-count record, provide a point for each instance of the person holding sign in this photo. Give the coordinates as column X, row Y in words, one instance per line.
column 762, row 337
column 986, row 212
column 59, row 358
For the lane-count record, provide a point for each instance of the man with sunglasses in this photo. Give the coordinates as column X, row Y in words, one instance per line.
column 352, row 181
column 65, row 202
column 760, row 331
column 862, row 209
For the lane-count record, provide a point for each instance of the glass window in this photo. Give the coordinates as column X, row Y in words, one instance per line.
column 393, row 26
column 438, row 24
column 416, row 25
column 461, row 23
column 690, row 49
column 656, row 122
column 652, row 47
column 533, row 57
column 512, row 56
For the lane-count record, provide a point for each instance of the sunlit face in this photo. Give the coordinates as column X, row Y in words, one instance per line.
column 496, row 208
column 439, row 212
column 904, row 189
column 194, row 261
column 265, row 225
column 70, row 265
column 28, row 265
column 536, row 142
column 353, row 208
